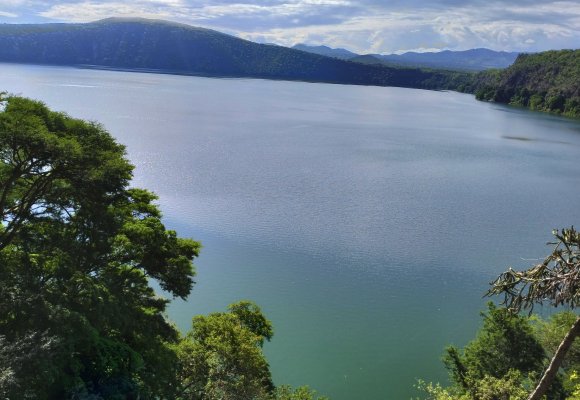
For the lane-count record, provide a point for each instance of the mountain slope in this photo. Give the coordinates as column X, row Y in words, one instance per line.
column 370, row 59
column 468, row 60
column 342, row 54
column 473, row 60
column 168, row 47
column 548, row 81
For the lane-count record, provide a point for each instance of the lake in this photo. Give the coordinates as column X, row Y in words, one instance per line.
column 367, row 222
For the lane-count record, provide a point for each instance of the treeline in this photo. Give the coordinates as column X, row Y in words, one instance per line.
column 79, row 252
column 548, row 81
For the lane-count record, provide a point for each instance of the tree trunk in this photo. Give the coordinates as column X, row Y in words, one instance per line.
column 550, row 374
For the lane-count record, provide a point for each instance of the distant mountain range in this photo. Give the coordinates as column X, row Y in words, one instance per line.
column 342, row 54
column 160, row 46
column 544, row 81
column 469, row 60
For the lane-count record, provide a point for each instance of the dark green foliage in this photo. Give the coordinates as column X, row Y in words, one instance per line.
column 21, row 360
column 507, row 356
column 506, row 346
column 548, row 81
column 505, row 342
column 456, row 366
column 300, row 393
column 174, row 48
column 221, row 358
column 78, row 249
column 553, row 281
column 509, row 353
column 250, row 315
column 550, row 333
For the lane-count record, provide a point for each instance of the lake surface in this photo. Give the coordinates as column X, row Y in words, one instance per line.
column 366, row 221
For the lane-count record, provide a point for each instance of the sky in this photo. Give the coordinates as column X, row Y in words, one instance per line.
column 362, row 26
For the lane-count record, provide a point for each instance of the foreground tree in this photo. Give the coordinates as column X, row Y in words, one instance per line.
column 299, row 393
column 497, row 364
column 555, row 281
column 78, row 250
column 505, row 343
column 221, row 358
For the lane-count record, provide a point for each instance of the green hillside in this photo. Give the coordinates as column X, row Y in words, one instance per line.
column 548, row 81
column 161, row 46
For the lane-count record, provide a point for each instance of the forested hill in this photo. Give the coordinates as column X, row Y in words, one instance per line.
column 548, row 81
column 175, row 48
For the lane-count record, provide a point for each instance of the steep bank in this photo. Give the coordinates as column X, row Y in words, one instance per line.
column 548, row 81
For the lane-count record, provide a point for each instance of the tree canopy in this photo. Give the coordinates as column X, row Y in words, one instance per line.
column 512, row 350
column 79, row 249
column 555, row 281
column 221, row 357
column 508, row 354
column 505, row 342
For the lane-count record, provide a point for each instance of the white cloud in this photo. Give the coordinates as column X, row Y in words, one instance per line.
column 14, row 3
column 91, row 11
column 8, row 14
column 495, row 26
column 359, row 25
column 83, row 11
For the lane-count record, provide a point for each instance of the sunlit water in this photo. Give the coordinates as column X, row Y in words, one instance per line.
column 366, row 221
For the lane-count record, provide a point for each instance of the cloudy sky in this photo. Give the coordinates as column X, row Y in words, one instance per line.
column 364, row 26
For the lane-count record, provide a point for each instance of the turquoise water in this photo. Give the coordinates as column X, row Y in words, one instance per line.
column 367, row 222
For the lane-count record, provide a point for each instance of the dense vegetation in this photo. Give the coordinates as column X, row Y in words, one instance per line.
column 521, row 357
column 548, row 81
column 507, row 357
column 79, row 250
column 173, row 48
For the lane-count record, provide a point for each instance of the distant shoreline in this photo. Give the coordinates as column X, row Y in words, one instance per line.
column 213, row 76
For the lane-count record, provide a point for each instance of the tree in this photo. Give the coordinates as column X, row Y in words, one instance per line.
column 550, row 332
column 505, row 345
column 78, row 250
column 300, row 393
column 250, row 315
column 221, row 357
column 555, row 281
column 507, row 387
